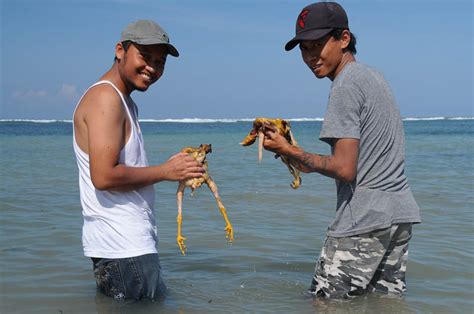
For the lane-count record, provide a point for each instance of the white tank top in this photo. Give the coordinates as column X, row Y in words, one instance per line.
column 117, row 224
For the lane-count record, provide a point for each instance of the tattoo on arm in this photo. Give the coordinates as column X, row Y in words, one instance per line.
column 324, row 161
column 307, row 160
column 311, row 161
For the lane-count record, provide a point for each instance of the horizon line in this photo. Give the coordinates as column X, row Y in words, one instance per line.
column 229, row 120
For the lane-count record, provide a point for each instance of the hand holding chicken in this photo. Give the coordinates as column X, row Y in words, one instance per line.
column 263, row 129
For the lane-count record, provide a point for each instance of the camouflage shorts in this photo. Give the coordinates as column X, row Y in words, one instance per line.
column 370, row 262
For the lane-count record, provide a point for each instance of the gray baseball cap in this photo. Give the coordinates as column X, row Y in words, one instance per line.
column 147, row 32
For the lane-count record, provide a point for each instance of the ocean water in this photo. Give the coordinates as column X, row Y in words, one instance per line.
column 278, row 231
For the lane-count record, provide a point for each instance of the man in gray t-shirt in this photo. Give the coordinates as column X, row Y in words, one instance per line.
column 366, row 248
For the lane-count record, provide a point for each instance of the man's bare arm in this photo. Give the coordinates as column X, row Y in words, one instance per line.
column 311, row 162
column 105, row 121
column 341, row 164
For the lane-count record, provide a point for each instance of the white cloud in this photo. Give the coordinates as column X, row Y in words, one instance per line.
column 28, row 95
column 66, row 93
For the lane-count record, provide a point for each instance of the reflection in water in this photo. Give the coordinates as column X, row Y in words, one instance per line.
column 370, row 303
column 108, row 305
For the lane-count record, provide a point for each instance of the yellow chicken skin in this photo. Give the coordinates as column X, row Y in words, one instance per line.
column 282, row 127
column 199, row 154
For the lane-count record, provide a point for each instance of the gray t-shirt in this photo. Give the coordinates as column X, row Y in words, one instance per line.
column 361, row 106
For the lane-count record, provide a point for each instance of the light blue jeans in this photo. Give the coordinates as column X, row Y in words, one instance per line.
column 130, row 278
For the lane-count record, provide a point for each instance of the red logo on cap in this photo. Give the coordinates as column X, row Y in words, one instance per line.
column 302, row 17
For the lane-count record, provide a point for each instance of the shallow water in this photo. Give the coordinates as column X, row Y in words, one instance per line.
column 278, row 231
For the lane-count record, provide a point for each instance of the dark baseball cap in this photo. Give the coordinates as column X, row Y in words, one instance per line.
column 147, row 32
column 316, row 21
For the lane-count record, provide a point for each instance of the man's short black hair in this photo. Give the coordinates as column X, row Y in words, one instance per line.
column 125, row 44
column 337, row 34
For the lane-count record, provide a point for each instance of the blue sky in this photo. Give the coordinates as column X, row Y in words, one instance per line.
column 232, row 63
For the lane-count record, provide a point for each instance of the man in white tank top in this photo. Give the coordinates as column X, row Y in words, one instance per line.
column 115, row 179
